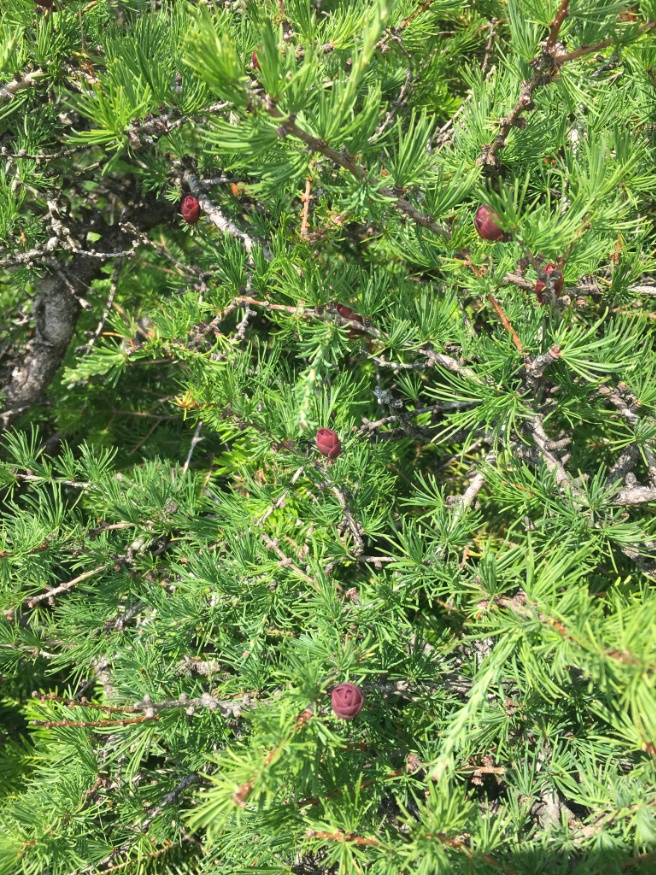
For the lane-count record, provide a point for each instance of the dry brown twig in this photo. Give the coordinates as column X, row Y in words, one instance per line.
column 546, row 67
column 306, row 198
column 506, row 323
column 488, row 48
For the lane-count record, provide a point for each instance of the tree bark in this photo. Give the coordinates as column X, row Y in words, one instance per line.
column 57, row 309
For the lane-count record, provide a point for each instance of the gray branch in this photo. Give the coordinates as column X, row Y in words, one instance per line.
column 56, row 312
column 20, row 83
column 216, row 217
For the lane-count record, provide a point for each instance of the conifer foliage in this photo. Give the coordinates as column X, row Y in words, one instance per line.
column 328, row 471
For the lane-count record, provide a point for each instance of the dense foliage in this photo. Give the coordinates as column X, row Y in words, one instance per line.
column 425, row 641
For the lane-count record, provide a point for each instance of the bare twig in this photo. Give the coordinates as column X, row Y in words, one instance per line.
column 506, row 322
column 604, row 44
column 229, row 708
column 556, row 25
column 545, row 69
column 634, row 495
column 64, row 587
column 339, row 836
column 196, row 439
column 280, row 501
column 348, row 516
column 108, row 306
column 516, row 280
column 20, row 83
column 170, row 799
column 306, row 198
column 470, row 495
column 215, row 215
column 286, row 562
column 347, row 162
column 400, row 100
column 623, row 465
column 554, row 465
column 488, row 48
column 145, row 240
column 535, row 366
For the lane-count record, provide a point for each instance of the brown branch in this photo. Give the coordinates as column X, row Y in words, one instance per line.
column 347, row 162
column 506, row 322
column 83, row 703
column 422, row 8
column 306, row 198
column 339, row 836
column 484, row 770
column 604, row 44
column 525, row 101
column 92, row 724
column 488, row 48
column 545, row 69
column 556, row 25
column 518, row 605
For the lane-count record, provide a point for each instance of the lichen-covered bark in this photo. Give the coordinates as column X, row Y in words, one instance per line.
column 56, row 313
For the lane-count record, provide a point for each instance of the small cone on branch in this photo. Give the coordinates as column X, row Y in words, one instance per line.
column 328, row 444
column 347, row 313
column 190, row 210
column 558, row 280
column 347, row 701
column 485, row 222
